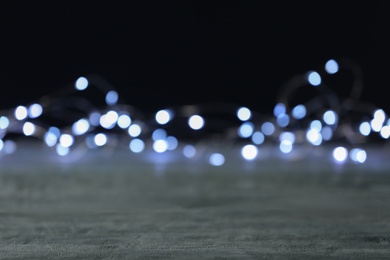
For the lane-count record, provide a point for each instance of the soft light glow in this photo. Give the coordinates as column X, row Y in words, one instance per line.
column 29, row 128
column 244, row 114
column 246, row 130
column 134, row 130
column 159, row 133
column 4, row 122
column 314, row 137
column 365, row 128
column 35, row 110
column 81, row 83
column 136, row 145
column 172, row 142
column 196, row 122
column 112, row 97
column 283, row 120
column 299, row 111
column 358, row 155
column 9, row 146
column 376, row 124
column 109, row 119
column 288, row 129
column 21, row 113
column 287, row 136
column 258, row 138
column 66, row 140
column 163, row 116
column 61, row 150
column 286, row 146
column 100, row 139
column 267, row 128
column 331, row 66
column 340, row 154
column 124, row 121
column 330, row 117
column 216, row 159
column 314, row 78
column 316, row 125
column 249, row 152
column 160, row 146
column 279, row 109
column 189, row 151
column 80, row 127
column 385, row 132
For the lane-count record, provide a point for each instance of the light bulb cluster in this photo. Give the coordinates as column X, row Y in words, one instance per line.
column 88, row 114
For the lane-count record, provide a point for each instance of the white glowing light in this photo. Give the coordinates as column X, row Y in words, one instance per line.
column 196, row 122
column 249, row 152
column 216, row 159
column 160, row 146
column 109, row 119
column 100, row 139
column 66, row 140
column 330, row 117
column 286, row 146
column 365, row 128
column 376, row 124
column 267, row 128
column 379, row 115
column 163, row 116
column 331, row 66
column 1, row 144
column 112, row 97
column 189, row 151
column 81, row 83
column 299, row 111
column 4, row 122
column 244, row 114
column 258, row 138
column 136, row 145
column 314, row 78
column 21, row 113
column 35, row 110
column 385, row 132
column 134, row 130
column 246, row 129
column 314, row 137
column 124, row 121
column 29, row 128
column 279, row 109
column 80, row 127
column 340, row 154
column 358, row 155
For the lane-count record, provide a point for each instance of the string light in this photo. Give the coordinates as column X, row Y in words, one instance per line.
column 70, row 121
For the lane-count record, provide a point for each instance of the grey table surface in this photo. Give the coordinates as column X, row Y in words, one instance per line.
column 119, row 206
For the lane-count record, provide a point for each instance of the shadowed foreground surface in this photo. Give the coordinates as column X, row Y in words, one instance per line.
column 117, row 208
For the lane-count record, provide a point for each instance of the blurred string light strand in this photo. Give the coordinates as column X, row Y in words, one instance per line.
column 71, row 123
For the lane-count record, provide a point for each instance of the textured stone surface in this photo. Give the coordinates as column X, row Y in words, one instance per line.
column 124, row 209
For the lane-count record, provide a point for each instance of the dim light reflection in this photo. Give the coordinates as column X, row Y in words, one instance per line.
column 289, row 126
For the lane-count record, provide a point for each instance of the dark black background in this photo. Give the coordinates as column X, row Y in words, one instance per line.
column 162, row 53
